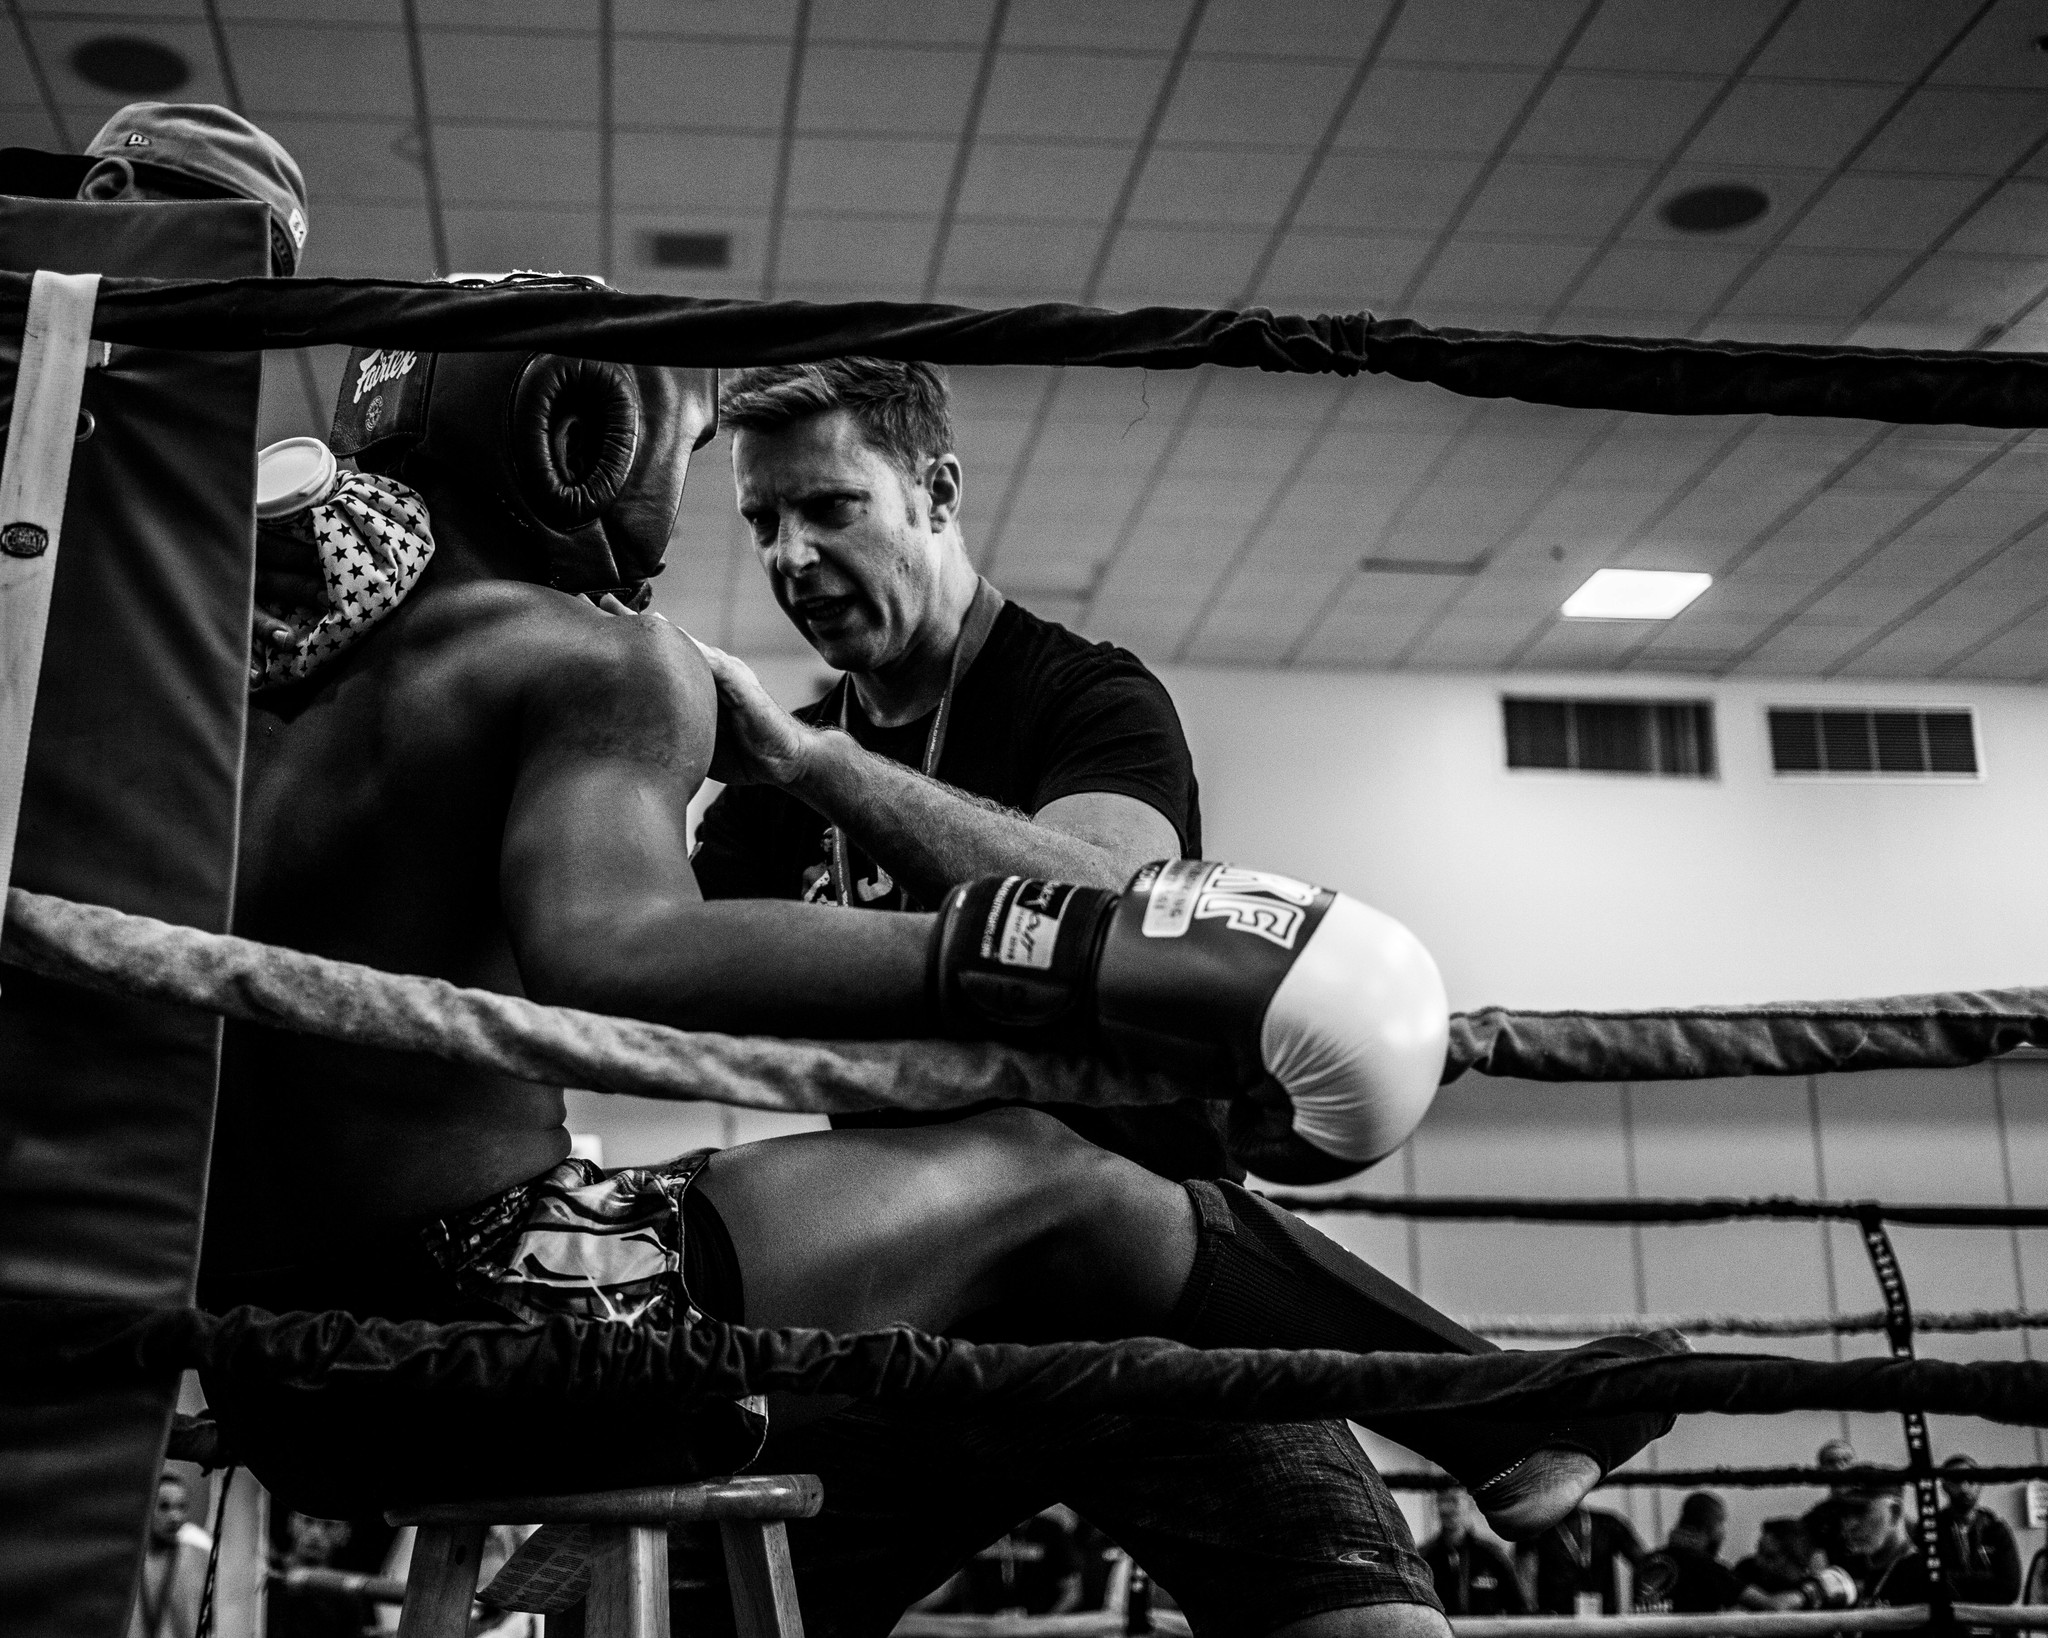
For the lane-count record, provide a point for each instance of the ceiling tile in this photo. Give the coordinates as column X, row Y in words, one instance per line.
column 1775, row 123
column 714, row 19
column 1555, row 199
column 882, row 175
column 1070, row 96
column 1409, row 108
column 1788, row 191
column 503, row 165
column 302, row 71
column 1890, row 40
column 929, row 90
column 748, row 235
column 1239, row 101
column 1339, row 272
column 1291, row 28
column 1984, row 289
column 1654, row 36
column 1959, row 129
column 350, row 159
column 1044, row 181
column 477, row 76
column 1243, row 187
column 1613, row 116
column 1401, row 197
column 699, row 172
column 1859, row 212
column 734, row 83
column 1023, row 257
column 1679, row 280
column 1518, row 275
column 904, row 22
column 1208, row 265
column 1484, row 31
column 1132, row 25
column 2000, row 51
column 855, row 251
column 1820, row 284
column 2014, row 221
column 526, row 236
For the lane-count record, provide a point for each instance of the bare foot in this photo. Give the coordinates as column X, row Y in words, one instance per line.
column 1537, row 1492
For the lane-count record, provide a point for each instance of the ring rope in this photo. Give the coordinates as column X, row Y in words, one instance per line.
column 1747, row 1478
column 1660, row 375
column 1567, row 1327
column 103, row 949
column 1751, row 1623
column 1472, row 1208
column 57, row 1344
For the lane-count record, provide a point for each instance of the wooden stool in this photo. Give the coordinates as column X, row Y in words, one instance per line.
column 628, row 1595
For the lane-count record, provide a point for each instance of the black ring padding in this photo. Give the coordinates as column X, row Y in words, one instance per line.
column 1651, row 375
column 1474, row 1208
column 575, row 428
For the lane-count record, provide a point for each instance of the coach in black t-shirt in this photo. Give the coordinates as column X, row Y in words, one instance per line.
column 967, row 738
column 971, row 738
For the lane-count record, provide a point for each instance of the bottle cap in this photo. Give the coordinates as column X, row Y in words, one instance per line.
column 291, row 475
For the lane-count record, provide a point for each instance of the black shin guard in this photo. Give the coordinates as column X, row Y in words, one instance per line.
column 1262, row 1278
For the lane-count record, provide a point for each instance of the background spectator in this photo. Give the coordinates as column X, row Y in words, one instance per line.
column 1774, row 1576
column 1823, row 1521
column 1576, row 1566
column 1473, row 1576
column 1034, row 1570
column 1878, row 1551
column 173, row 1569
column 1982, row 1559
column 1686, row 1575
column 315, row 1612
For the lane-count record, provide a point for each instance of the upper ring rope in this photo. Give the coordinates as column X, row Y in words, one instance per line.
column 1473, row 1208
column 1663, row 375
column 1569, row 1327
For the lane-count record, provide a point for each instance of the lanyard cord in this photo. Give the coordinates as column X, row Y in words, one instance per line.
column 974, row 630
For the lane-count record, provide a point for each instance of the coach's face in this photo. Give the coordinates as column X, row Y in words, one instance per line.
column 854, row 546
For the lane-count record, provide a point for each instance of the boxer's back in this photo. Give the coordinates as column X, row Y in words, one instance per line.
column 374, row 801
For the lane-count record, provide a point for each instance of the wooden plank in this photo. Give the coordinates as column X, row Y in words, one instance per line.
column 628, row 1583
column 764, row 1602
column 442, row 1581
column 750, row 1496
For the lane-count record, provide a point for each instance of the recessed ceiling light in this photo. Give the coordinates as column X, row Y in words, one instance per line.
column 1715, row 208
column 1635, row 594
column 131, row 65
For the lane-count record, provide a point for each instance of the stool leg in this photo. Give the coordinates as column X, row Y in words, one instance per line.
column 763, row 1584
column 442, row 1581
column 628, row 1583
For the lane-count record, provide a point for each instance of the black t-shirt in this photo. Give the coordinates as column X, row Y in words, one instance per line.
column 1040, row 714
column 1473, row 1577
column 1681, row 1580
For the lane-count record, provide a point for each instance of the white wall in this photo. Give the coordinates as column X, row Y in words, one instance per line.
column 1578, row 890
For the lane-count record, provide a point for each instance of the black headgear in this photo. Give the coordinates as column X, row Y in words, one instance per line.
column 582, row 461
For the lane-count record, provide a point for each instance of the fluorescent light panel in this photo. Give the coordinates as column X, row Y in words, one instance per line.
column 1635, row 594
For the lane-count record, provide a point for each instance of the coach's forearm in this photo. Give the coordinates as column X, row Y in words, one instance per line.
column 929, row 836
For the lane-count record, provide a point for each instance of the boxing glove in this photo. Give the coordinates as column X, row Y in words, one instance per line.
column 1328, row 1016
column 1828, row 1588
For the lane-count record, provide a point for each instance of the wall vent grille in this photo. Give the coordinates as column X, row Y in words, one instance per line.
column 1855, row 743
column 1671, row 738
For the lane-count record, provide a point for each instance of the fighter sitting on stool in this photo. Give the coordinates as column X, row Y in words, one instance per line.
column 486, row 780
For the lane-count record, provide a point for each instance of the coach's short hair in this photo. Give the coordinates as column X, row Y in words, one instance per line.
column 903, row 410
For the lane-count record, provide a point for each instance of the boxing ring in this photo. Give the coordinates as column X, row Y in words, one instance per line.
column 75, row 1334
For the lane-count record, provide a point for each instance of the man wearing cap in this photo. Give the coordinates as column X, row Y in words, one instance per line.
column 174, row 150
column 1977, row 1548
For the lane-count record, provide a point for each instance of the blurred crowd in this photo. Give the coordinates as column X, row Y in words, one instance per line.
column 1855, row 1547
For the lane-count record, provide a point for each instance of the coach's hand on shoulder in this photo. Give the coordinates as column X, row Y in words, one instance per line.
column 759, row 743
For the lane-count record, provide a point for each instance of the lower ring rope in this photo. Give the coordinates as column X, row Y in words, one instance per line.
column 1573, row 1327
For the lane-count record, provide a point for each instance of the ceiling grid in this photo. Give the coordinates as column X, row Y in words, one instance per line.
column 1463, row 163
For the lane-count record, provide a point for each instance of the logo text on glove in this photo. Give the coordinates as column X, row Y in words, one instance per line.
column 1246, row 901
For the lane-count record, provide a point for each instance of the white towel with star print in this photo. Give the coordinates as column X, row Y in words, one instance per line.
column 374, row 540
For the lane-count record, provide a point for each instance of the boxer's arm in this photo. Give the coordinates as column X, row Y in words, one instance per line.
column 614, row 734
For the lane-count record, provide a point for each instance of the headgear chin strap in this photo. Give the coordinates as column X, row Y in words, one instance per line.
column 581, row 461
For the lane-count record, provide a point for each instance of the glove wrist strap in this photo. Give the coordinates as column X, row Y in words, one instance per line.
column 1014, row 959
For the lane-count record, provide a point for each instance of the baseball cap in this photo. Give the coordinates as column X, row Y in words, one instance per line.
column 195, row 148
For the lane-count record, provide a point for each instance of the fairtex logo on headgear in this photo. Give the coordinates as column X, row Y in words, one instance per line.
column 378, row 367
